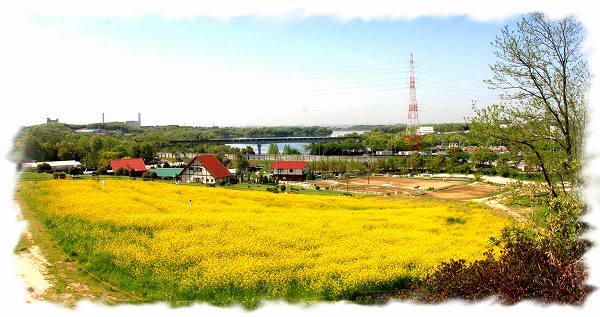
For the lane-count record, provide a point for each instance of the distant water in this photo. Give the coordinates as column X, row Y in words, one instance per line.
column 298, row 146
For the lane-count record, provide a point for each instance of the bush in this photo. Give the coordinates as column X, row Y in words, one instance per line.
column 59, row 175
column 153, row 175
column 146, row 176
column 528, row 267
column 463, row 168
column 119, row 171
column 101, row 170
column 272, row 189
column 282, row 188
column 43, row 168
column 317, row 187
column 74, row 170
column 131, row 173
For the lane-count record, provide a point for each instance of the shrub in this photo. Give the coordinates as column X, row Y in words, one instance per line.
column 119, row 171
column 43, row 168
column 101, row 170
column 272, row 189
column 452, row 220
column 131, row 173
column 146, row 176
column 153, row 175
column 282, row 188
column 528, row 267
column 74, row 170
column 317, row 187
column 59, row 175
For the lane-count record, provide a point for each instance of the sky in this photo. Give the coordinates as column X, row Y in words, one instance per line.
column 255, row 70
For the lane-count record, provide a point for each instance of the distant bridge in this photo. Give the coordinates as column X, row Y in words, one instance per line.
column 264, row 140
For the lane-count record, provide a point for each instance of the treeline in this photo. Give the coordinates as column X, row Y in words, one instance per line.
column 376, row 140
column 395, row 128
column 59, row 141
column 481, row 161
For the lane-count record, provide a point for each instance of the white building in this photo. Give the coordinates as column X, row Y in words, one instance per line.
column 425, row 130
column 56, row 165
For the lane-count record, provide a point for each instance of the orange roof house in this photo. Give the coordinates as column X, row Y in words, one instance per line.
column 136, row 164
column 205, row 169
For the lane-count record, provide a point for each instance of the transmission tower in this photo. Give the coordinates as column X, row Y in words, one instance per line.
column 413, row 110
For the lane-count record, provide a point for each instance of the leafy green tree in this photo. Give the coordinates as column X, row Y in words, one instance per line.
column 544, row 80
column 287, row 149
column 483, row 157
column 273, row 149
column 376, row 141
column 43, row 168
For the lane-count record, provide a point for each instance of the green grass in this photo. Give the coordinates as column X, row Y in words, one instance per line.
column 33, row 176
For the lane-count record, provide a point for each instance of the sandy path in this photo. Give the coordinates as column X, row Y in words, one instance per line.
column 492, row 202
column 32, row 267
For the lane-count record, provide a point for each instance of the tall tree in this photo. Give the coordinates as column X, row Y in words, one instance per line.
column 273, row 149
column 543, row 79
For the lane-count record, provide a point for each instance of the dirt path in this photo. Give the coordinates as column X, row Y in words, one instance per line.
column 32, row 267
column 494, row 203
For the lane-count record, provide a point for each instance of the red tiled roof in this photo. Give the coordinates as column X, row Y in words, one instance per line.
column 137, row 164
column 292, row 165
column 214, row 166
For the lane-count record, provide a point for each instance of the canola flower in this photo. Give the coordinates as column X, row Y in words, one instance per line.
column 147, row 238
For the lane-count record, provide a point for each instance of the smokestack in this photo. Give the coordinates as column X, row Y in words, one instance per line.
column 139, row 119
column 103, row 117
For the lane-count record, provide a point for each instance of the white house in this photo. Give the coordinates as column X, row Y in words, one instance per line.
column 56, row 165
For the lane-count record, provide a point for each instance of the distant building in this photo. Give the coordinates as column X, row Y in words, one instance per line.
column 290, row 171
column 88, row 130
column 136, row 164
column 205, row 169
column 59, row 166
column 384, row 152
column 48, row 120
column 425, row 130
column 137, row 123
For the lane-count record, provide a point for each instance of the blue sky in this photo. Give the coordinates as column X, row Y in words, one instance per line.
column 272, row 71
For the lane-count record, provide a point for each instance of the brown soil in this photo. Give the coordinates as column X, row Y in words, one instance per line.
column 475, row 190
column 386, row 184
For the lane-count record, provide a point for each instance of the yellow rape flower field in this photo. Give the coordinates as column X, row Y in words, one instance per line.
column 230, row 246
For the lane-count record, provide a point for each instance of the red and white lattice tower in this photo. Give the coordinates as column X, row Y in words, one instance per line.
column 413, row 109
column 413, row 139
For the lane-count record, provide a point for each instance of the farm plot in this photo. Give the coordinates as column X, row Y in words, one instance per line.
column 183, row 244
column 470, row 191
column 387, row 184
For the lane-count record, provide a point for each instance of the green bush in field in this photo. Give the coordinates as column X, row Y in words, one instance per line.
column 43, row 168
column 102, row 170
column 59, row 175
column 74, row 170
column 119, row 171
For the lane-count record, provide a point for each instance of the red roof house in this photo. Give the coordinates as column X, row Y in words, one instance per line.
column 137, row 164
column 290, row 171
column 205, row 169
